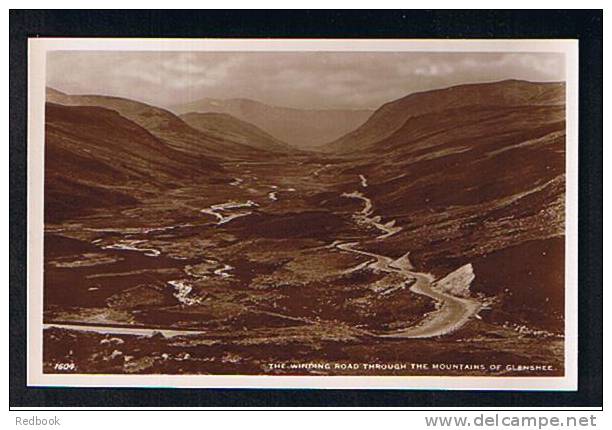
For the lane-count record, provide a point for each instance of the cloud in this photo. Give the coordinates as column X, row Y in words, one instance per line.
column 299, row 79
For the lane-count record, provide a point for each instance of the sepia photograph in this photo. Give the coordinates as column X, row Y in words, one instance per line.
column 308, row 213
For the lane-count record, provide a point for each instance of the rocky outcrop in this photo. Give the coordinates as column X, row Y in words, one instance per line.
column 458, row 282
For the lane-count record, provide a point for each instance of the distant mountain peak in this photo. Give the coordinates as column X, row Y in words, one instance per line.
column 300, row 128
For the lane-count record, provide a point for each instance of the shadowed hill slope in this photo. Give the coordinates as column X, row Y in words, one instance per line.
column 95, row 157
column 225, row 126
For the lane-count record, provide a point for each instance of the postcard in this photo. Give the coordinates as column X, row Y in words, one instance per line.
column 305, row 213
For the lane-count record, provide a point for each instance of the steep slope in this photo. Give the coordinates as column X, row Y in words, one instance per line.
column 391, row 116
column 160, row 122
column 225, row 127
column 301, row 128
column 482, row 184
column 95, row 157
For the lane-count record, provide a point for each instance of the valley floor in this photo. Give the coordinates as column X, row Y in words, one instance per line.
column 288, row 267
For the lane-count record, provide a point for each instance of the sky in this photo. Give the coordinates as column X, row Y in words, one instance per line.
column 316, row 80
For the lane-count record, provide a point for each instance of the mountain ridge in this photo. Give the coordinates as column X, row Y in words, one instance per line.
column 162, row 123
column 393, row 115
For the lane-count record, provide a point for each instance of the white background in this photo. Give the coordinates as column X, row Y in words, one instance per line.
column 265, row 419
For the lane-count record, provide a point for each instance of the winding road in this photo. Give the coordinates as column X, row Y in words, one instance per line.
column 366, row 215
column 452, row 312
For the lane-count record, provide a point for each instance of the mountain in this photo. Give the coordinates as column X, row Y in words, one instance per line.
column 95, row 157
column 162, row 123
column 225, row 127
column 393, row 115
column 301, row 128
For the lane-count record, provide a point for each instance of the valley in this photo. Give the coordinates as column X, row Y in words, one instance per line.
column 201, row 244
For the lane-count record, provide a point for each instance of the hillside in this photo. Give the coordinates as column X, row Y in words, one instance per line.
column 476, row 183
column 225, row 127
column 95, row 157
